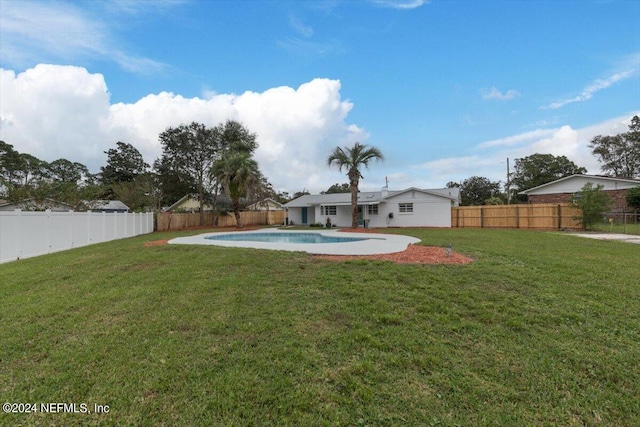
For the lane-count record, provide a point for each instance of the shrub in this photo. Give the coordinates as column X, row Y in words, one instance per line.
column 633, row 198
column 593, row 202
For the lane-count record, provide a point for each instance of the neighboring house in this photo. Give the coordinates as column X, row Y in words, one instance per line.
column 188, row 203
column 561, row 190
column 412, row 207
column 266, row 205
column 107, row 206
column 36, row 205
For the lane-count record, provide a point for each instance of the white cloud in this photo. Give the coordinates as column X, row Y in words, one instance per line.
column 489, row 160
column 53, row 111
column 517, row 139
column 629, row 68
column 299, row 26
column 494, row 93
column 400, row 4
column 33, row 32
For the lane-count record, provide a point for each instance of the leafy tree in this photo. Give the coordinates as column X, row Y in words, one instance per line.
column 142, row 194
column 538, row 169
column 31, row 170
column 495, row 200
column 236, row 172
column 63, row 170
column 477, row 190
column 297, row 194
column 233, row 136
column 173, row 184
column 594, row 204
column 352, row 159
column 282, row 197
column 188, row 152
column 619, row 155
column 10, row 164
column 633, row 198
column 338, row 188
column 124, row 164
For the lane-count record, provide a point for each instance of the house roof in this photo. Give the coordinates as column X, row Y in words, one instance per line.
column 631, row 181
column 267, row 200
column 222, row 201
column 40, row 203
column 110, row 205
column 366, row 197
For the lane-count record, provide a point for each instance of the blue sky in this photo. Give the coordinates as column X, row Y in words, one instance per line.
column 446, row 89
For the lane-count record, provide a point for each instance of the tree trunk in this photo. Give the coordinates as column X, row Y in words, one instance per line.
column 201, row 200
column 236, row 212
column 354, row 204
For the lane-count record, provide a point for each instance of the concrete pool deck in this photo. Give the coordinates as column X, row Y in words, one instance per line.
column 374, row 244
column 629, row 238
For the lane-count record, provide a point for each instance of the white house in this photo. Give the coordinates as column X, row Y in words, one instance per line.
column 412, row 207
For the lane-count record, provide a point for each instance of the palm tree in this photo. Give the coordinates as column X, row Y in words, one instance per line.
column 236, row 172
column 351, row 160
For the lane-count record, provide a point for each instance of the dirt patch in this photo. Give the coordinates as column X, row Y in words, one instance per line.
column 156, row 243
column 415, row 254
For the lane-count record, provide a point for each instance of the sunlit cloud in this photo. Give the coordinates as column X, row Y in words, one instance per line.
column 400, row 4
column 301, row 46
column 53, row 111
column 517, row 139
column 629, row 68
column 495, row 94
column 299, row 26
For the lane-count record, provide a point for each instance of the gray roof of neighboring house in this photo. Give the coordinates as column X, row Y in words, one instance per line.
column 30, row 203
column 366, row 197
column 566, row 178
column 109, row 205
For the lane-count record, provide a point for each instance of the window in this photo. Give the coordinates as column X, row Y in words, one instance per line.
column 372, row 209
column 406, row 207
column 327, row 210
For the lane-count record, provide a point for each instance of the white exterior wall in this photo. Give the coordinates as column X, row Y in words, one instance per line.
column 428, row 211
column 29, row 234
column 295, row 215
column 575, row 184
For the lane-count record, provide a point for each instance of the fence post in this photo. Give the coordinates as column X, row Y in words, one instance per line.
column 559, row 216
column 481, row 217
column 19, row 232
column 47, row 227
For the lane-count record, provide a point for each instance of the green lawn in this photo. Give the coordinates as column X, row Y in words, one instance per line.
column 616, row 227
column 543, row 329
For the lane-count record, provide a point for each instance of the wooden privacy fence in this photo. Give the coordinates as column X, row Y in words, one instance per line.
column 179, row 221
column 543, row 216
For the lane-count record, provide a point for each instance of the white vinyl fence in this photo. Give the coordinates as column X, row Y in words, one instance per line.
column 28, row 234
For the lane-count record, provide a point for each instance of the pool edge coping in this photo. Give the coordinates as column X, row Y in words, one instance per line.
column 375, row 243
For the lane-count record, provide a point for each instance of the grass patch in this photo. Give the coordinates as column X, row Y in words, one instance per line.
column 617, row 227
column 543, row 329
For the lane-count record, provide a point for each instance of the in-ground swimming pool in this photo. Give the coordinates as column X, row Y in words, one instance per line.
column 283, row 237
column 328, row 242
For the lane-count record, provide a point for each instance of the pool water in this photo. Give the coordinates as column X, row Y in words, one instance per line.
column 284, row 238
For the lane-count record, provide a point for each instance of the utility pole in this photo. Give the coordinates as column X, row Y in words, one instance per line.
column 508, row 184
